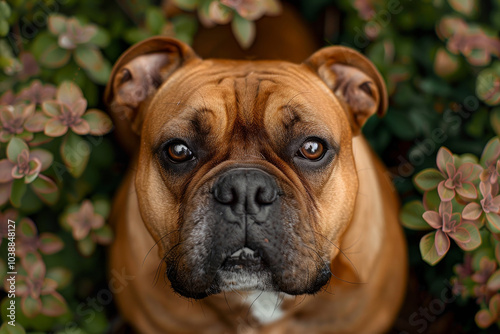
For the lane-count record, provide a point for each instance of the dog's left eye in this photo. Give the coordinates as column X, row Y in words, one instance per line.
column 312, row 150
column 179, row 152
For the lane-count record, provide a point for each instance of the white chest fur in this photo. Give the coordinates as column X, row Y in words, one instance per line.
column 266, row 306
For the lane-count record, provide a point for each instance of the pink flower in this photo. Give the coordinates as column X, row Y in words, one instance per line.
column 28, row 241
column 70, row 31
column 29, row 66
column 456, row 180
column 486, row 269
column 488, row 208
column 37, row 93
column 85, row 220
column 38, row 293
column 66, row 112
column 448, row 225
column 253, row 9
column 463, row 271
column 490, row 160
column 21, row 163
column 7, row 98
column 13, row 120
column 27, row 167
column 365, row 9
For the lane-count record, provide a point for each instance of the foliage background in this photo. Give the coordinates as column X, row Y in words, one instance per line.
column 439, row 59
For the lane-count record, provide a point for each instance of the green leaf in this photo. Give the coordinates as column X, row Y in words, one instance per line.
column 50, row 243
column 475, row 237
column 185, row 27
column 104, row 235
column 493, row 222
column 484, row 319
column 31, row 306
column 4, row 28
column 54, row 56
column 68, row 93
column 53, row 304
column 39, row 139
column 61, row 275
column 46, row 158
column 17, row 192
column 155, row 20
column 490, row 152
column 14, row 148
column 27, row 228
column 102, row 207
column 466, row 7
column 488, row 86
column 493, row 283
column 5, row 11
column 411, row 216
column 494, row 304
column 497, row 252
column 45, row 189
column 428, row 249
column 89, row 57
column 443, row 158
column 445, row 63
column 99, row 122
column 100, row 76
column 75, row 153
column 135, row 35
column 39, row 44
column 186, row 4
column 428, row 179
column 432, row 200
column 495, row 120
column 8, row 329
column 57, row 24
column 101, row 38
column 472, row 211
column 243, row 30
column 86, row 246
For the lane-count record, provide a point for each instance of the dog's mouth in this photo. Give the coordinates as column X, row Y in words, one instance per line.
column 244, row 259
column 244, row 270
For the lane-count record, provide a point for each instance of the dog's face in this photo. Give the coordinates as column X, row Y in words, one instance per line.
column 245, row 176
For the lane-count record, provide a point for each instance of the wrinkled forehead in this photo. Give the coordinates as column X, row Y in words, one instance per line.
column 251, row 94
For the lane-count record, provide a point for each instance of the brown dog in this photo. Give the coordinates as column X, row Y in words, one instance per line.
column 253, row 181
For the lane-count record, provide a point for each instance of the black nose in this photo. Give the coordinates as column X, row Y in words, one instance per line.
column 245, row 190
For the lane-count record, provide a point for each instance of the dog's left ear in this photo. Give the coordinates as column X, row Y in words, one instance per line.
column 354, row 80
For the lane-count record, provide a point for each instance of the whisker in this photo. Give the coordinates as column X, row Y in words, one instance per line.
column 157, row 274
column 331, row 273
column 227, row 303
column 156, row 243
column 278, row 303
column 304, row 298
column 248, row 312
column 341, row 251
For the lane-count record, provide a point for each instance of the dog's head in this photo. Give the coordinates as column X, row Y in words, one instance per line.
column 245, row 174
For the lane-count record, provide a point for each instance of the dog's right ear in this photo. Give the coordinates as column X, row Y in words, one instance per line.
column 136, row 77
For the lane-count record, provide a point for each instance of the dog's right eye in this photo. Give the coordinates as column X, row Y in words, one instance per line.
column 178, row 152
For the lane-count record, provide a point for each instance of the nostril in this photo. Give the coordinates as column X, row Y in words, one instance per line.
column 265, row 195
column 225, row 195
